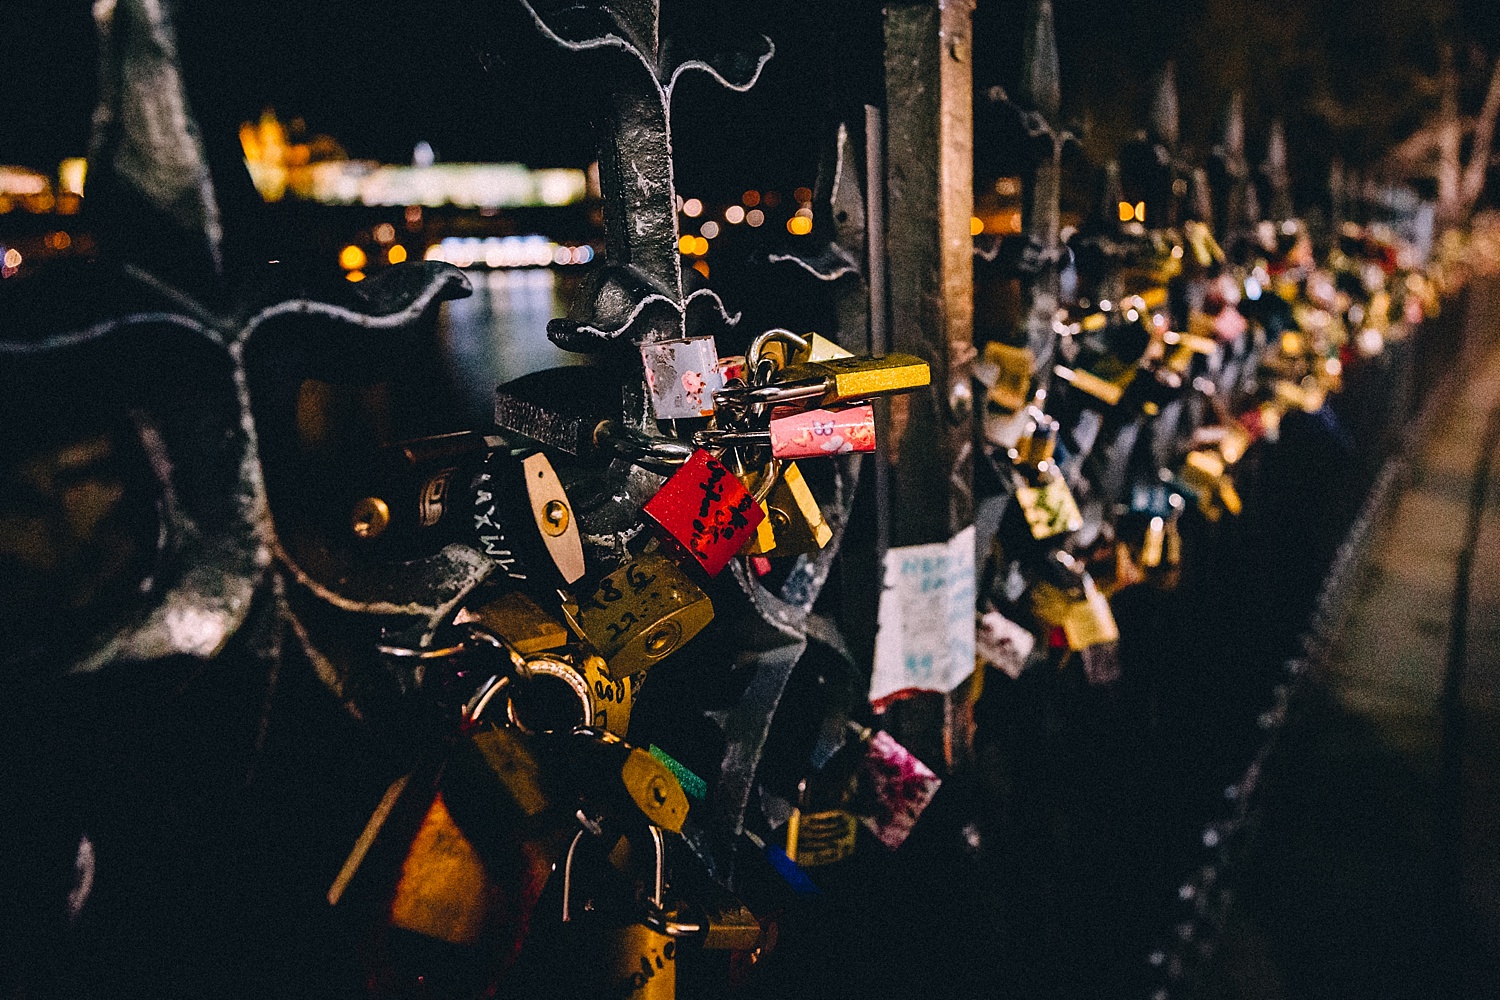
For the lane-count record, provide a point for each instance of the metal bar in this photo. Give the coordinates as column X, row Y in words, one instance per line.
column 929, row 173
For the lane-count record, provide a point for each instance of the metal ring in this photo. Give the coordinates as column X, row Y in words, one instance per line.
column 543, row 667
column 752, row 356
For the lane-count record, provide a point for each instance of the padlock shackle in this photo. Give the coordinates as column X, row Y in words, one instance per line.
column 752, row 356
column 658, row 884
column 639, row 447
column 542, row 666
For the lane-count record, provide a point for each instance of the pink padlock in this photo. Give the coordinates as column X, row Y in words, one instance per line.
column 817, row 433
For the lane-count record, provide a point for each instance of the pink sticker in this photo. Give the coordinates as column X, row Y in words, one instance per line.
column 902, row 786
column 815, row 433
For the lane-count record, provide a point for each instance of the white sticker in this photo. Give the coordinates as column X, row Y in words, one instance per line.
column 682, row 376
column 1003, row 644
column 925, row 640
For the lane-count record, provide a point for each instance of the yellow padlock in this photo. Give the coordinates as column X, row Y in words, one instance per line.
column 794, row 523
column 640, row 614
column 641, row 956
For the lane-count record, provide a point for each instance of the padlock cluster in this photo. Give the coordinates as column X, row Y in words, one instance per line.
column 1123, row 440
column 608, row 514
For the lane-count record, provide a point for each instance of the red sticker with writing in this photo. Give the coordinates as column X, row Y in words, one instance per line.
column 706, row 510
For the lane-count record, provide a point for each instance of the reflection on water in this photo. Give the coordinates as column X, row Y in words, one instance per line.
column 500, row 333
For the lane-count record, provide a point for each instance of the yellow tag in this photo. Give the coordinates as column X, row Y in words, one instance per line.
column 823, row 838
column 1234, row 444
column 1230, row 496
column 1154, row 543
column 1090, row 622
column 1206, row 463
column 1198, row 343
column 1094, row 322
column 1013, row 374
column 1050, row 508
column 1154, row 298
column 1309, row 399
column 1107, row 392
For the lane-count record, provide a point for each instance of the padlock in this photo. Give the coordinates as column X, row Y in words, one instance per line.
column 838, row 380
column 416, row 488
column 559, row 408
column 457, row 851
column 821, row 830
column 525, row 523
column 640, row 614
column 1033, row 450
column 819, row 838
column 1203, row 470
column 682, row 376
column 804, row 433
column 1049, row 507
column 1012, row 374
column 520, row 620
column 640, row 956
column 1067, row 598
column 819, row 433
column 794, row 523
column 705, row 512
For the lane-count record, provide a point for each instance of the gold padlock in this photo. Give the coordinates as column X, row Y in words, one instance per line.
column 520, row 621
column 794, row 523
column 641, row 956
column 549, row 655
column 1012, row 374
column 640, row 614
column 420, row 862
column 821, row 838
column 851, row 378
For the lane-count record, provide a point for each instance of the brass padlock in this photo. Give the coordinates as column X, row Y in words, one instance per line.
column 794, row 523
column 520, row 620
column 416, row 489
column 820, row 830
column 640, row 956
column 836, row 380
column 1012, row 367
column 1080, row 609
column 640, row 614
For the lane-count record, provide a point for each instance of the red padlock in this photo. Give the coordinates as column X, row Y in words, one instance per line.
column 706, row 510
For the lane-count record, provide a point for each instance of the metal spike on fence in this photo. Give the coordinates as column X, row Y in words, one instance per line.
column 1275, row 170
column 637, row 294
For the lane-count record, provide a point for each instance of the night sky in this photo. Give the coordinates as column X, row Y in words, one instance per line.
column 475, row 81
